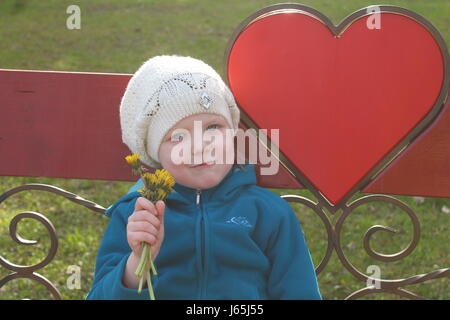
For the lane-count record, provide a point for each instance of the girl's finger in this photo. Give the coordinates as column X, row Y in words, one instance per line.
column 137, row 237
column 160, row 207
column 144, row 215
column 144, row 226
column 144, row 204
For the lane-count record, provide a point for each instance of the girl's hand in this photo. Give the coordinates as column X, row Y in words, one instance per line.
column 146, row 224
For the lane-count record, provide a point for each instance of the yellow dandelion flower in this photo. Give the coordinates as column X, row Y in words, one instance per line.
column 155, row 180
column 146, row 176
column 170, row 181
column 166, row 178
column 148, row 179
column 135, row 163
column 133, row 160
column 158, row 174
column 161, row 194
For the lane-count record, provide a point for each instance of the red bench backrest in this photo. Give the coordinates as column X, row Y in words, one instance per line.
column 66, row 125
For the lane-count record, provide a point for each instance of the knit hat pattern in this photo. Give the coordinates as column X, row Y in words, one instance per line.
column 165, row 90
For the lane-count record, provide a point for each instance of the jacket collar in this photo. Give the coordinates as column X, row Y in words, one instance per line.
column 232, row 182
column 235, row 179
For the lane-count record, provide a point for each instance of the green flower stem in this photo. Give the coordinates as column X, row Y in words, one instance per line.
column 141, row 281
column 151, row 262
column 150, row 287
column 144, row 268
column 140, row 267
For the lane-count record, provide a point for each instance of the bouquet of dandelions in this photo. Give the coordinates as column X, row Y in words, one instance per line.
column 157, row 186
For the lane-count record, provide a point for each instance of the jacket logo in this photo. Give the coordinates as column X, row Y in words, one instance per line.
column 242, row 221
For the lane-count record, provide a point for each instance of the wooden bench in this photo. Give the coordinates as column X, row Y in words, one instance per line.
column 66, row 125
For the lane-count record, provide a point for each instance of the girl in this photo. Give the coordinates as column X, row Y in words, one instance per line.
column 219, row 235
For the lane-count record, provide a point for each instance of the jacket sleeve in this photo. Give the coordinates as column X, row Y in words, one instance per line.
column 112, row 257
column 292, row 274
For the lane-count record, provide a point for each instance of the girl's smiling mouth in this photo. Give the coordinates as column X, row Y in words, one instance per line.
column 204, row 164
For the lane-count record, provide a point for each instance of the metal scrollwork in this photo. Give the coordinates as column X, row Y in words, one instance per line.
column 45, row 187
column 333, row 235
column 29, row 272
column 334, row 241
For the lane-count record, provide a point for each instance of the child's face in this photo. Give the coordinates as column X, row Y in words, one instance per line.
column 181, row 137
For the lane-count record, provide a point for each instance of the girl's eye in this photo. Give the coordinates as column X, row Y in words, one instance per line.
column 177, row 137
column 212, row 125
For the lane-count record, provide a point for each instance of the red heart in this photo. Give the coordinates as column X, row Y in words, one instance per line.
column 341, row 103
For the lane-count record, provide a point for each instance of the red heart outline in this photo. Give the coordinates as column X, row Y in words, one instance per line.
column 339, row 202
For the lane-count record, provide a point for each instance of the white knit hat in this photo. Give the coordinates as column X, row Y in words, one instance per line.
column 165, row 90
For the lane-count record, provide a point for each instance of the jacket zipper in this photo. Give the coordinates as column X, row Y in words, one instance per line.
column 198, row 195
column 202, row 248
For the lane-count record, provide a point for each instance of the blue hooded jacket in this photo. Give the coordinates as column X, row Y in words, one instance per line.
column 235, row 240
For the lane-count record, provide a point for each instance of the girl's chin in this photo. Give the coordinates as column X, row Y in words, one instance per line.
column 204, row 177
column 205, row 181
column 206, row 184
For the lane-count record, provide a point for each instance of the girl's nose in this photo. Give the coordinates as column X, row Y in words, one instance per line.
column 198, row 145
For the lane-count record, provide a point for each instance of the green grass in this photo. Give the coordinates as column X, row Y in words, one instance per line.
column 118, row 36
